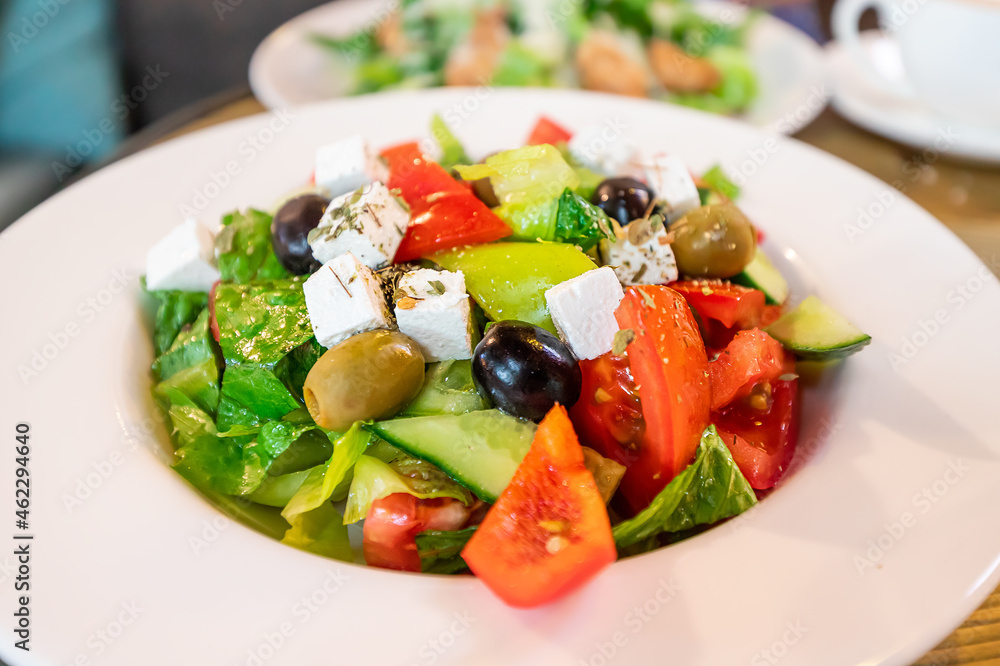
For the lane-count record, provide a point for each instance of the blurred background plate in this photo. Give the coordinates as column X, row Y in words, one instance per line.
column 288, row 69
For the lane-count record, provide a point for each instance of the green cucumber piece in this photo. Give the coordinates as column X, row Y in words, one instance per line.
column 817, row 332
column 447, row 389
column 481, row 450
column 761, row 274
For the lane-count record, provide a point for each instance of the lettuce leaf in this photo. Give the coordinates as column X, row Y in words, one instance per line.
column 452, row 152
column 374, row 479
column 321, row 531
column 580, row 222
column 174, row 311
column 441, row 552
column 717, row 179
column 263, row 321
column 252, row 395
column 277, row 491
column 293, row 368
column 245, row 250
column 708, row 490
column 520, row 66
column 323, row 480
column 199, row 382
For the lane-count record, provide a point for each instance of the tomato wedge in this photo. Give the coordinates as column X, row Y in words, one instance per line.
column 729, row 304
column 751, row 358
column 668, row 371
column 444, row 213
column 762, row 441
column 549, row 531
column 393, row 522
column 548, row 131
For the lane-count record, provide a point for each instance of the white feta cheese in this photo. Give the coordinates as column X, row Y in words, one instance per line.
column 583, row 310
column 645, row 258
column 184, row 260
column 434, row 310
column 369, row 223
column 672, row 182
column 343, row 299
column 346, row 165
column 602, row 148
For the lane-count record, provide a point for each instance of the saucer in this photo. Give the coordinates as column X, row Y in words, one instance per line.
column 859, row 99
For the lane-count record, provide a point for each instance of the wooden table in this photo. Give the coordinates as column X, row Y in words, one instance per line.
column 965, row 197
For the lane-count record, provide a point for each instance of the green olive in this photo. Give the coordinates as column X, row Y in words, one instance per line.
column 714, row 241
column 368, row 376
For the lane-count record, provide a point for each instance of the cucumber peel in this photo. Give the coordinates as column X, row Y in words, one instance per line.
column 814, row 331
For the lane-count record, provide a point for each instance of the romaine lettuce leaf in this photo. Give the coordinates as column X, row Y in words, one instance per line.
column 580, row 222
column 708, row 490
column 717, row 179
column 245, row 250
column 191, row 346
column 174, row 311
column 199, row 382
column 441, row 552
column 520, row 66
column 277, row 491
column 452, row 152
column 293, row 369
column 263, row 321
column 321, row 531
column 374, row 479
column 252, row 395
column 319, row 486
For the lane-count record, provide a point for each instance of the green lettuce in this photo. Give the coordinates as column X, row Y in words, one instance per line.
column 277, row 491
column 294, row 367
column 580, row 222
column 321, row 531
column 174, row 311
column 232, row 463
column 245, row 250
column 708, row 490
column 520, row 66
column 374, row 479
column 717, row 179
column 452, row 152
column 441, row 552
column 263, row 321
column 199, row 382
column 252, row 395
column 322, row 481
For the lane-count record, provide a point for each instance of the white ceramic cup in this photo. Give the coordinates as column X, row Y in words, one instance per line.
column 950, row 49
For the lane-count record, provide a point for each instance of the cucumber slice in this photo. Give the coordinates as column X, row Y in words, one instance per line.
column 761, row 274
column 447, row 389
column 481, row 450
column 817, row 332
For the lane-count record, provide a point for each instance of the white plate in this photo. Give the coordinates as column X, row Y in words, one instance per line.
column 784, row 578
column 287, row 69
column 876, row 108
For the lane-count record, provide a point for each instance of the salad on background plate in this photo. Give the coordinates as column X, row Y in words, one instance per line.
column 523, row 367
column 664, row 49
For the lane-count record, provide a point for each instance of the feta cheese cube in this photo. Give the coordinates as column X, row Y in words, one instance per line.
column 602, row 148
column 672, row 182
column 583, row 310
column 184, row 260
column 650, row 260
column 369, row 223
column 344, row 298
column 346, row 165
column 434, row 310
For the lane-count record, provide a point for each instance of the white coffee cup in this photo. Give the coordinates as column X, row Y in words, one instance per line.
column 950, row 49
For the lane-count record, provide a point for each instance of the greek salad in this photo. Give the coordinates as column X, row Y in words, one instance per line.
column 524, row 367
column 663, row 49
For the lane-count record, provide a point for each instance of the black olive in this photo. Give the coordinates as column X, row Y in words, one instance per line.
column 623, row 199
column 525, row 370
column 290, row 230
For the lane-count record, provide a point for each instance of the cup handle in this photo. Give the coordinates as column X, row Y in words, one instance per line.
column 844, row 23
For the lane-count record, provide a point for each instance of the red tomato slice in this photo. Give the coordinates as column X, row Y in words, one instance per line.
column 548, row 131
column 549, row 531
column 730, row 304
column 762, row 442
column 668, row 371
column 444, row 213
column 751, row 358
column 394, row 521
